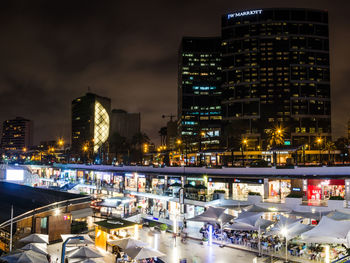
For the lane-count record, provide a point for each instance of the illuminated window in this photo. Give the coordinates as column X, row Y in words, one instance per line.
column 101, row 130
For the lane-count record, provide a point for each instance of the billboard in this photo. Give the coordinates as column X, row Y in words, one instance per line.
column 14, row 175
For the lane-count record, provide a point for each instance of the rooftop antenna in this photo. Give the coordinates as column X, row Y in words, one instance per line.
column 89, row 89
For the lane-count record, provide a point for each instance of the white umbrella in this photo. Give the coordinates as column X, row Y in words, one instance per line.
column 86, row 260
column 138, row 253
column 87, row 239
column 27, row 256
column 85, row 252
column 127, row 243
column 36, row 247
column 35, row 238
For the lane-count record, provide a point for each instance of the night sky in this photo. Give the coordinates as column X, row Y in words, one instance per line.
column 51, row 51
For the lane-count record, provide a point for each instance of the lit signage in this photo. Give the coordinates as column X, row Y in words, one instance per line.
column 245, row 13
column 115, row 222
column 297, row 189
column 287, row 143
column 14, row 175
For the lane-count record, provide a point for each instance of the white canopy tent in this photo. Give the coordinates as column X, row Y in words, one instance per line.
column 27, row 256
column 248, row 221
column 284, row 222
column 35, row 238
column 36, row 247
column 213, row 215
column 328, row 231
column 339, row 215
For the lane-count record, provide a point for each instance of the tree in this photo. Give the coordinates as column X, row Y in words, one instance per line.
column 329, row 146
column 275, row 136
column 119, row 144
column 136, row 145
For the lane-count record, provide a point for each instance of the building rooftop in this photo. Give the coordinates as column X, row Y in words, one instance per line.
column 26, row 198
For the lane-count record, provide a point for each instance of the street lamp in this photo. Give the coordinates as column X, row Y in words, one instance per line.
column 284, row 232
column 244, row 143
column 319, row 142
column 60, row 142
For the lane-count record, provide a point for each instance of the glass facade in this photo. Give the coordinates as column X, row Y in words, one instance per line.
column 275, row 65
column 90, row 122
column 199, row 92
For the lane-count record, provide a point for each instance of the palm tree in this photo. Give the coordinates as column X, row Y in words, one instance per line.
column 329, row 146
column 136, row 142
column 275, row 136
column 119, row 144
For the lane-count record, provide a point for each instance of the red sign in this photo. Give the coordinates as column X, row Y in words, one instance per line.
column 314, row 192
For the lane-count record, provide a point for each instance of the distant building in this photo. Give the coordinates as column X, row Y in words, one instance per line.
column 171, row 135
column 199, row 91
column 276, row 73
column 90, row 123
column 125, row 124
column 17, row 134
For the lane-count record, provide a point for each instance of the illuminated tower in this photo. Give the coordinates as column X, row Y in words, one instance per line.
column 90, row 124
column 199, row 92
column 275, row 65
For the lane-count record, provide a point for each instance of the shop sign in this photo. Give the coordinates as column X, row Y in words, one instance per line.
column 114, row 222
column 245, row 13
column 297, row 189
column 314, row 192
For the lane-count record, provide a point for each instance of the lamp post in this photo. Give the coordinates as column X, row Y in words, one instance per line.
column 222, row 234
column 179, row 142
column 319, row 142
column 284, row 232
column 244, row 143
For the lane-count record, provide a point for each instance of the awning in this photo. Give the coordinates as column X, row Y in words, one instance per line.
column 81, row 213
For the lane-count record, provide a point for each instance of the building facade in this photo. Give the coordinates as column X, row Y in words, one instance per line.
column 199, row 92
column 125, row 124
column 90, row 124
column 17, row 134
column 276, row 75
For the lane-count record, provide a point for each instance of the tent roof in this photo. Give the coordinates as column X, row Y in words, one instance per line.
column 313, row 215
column 338, row 215
column 213, row 214
column 284, row 222
column 256, row 208
column 115, row 223
column 328, row 231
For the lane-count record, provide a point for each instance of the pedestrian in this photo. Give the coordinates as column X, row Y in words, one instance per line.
column 185, row 223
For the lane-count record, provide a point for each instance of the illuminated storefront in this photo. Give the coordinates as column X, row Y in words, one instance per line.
column 135, row 182
column 323, row 189
column 279, row 188
column 242, row 187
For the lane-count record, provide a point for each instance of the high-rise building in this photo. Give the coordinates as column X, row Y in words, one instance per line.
column 125, row 124
column 276, row 73
column 199, row 92
column 90, row 123
column 17, row 134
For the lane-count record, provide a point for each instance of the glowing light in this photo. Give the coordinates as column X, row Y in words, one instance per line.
column 136, row 232
column 101, row 130
column 284, row 231
column 210, row 235
column 327, row 258
column 57, row 212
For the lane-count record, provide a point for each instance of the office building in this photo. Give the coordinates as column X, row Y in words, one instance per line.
column 17, row 134
column 90, row 123
column 276, row 74
column 125, row 124
column 199, row 92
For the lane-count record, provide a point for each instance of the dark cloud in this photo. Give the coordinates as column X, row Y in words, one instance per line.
column 51, row 51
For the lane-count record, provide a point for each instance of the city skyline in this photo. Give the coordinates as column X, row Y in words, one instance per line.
column 53, row 53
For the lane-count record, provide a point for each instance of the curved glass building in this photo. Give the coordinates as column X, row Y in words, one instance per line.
column 275, row 65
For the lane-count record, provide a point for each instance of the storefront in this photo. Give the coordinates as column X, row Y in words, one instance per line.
column 319, row 189
column 118, row 181
column 241, row 187
column 114, row 229
column 135, row 182
column 117, row 206
column 158, row 185
column 279, row 188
